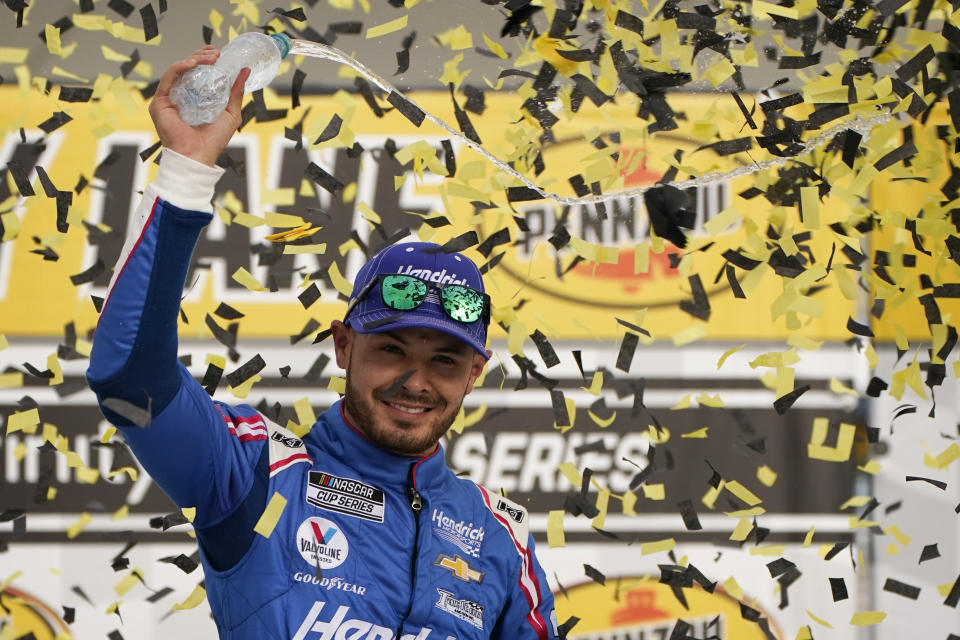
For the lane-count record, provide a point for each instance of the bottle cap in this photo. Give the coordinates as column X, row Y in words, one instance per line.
column 283, row 43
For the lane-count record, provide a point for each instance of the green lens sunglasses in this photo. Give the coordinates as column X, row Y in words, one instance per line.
column 403, row 293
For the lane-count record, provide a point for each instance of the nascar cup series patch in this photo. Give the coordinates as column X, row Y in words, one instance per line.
column 345, row 495
column 322, row 543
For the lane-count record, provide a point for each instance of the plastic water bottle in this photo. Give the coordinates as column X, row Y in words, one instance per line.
column 203, row 92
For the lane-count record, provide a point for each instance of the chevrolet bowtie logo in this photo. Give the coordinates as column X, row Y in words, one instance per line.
column 459, row 568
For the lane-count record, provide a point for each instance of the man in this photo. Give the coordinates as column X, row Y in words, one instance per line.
column 377, row 539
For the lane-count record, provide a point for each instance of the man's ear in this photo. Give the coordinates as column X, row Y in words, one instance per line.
column 476, row 368
column 342, row 342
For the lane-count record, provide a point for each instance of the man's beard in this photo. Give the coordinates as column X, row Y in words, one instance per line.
column 398, row 436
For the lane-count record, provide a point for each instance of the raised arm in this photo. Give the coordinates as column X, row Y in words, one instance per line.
column 193, row 448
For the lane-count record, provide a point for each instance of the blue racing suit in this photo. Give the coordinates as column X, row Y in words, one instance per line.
column 369, row 545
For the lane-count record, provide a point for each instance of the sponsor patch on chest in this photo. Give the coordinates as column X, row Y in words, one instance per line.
column 462, row 534
column 466, row 610
column 345, row 495
column 322, row 543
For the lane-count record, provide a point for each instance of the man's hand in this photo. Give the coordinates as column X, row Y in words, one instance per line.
column 205, row 142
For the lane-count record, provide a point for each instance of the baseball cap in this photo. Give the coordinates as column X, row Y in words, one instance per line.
column 429, row 262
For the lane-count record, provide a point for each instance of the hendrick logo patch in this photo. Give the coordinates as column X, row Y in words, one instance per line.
column 460, row 533
column 466, row 610
column 346, row 496
column 515, row 514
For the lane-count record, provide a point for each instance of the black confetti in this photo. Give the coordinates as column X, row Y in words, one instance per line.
column 782, row 404
column 594, row 574
column 901, row 589
column 245, row 371
column 324, row 179
column 54, row 122
column 149, row 18
column 90, row 274
column 930, row 551
column 122, row 7
column 332, row 130
column 409, row 110
column 627, row 349
column 839, row 589
column 546, row 349
column 939, row 484
column 309, row 295
column 629, row 21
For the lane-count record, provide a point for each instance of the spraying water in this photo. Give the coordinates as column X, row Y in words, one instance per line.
column 860, row 124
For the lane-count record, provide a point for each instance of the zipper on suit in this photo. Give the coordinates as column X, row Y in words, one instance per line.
column 416, row 506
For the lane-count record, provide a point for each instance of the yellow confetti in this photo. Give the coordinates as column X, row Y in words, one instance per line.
column 87, row 475
column 13, row 55
column 74, row 530
column 371, row 216
column 944, row 459
column 855, row 501
column 766, row 476
column 872, row 467
column 271, row 515
column 130, row 471
column 337, row 384
column 11, row 380
column 657, row 546
column 387, row 27
column 742, row 530
column 339, row 282
column 194, row 599
column 808, row 539
column 243, row 389
column 282, row 197
column 113, row 56
column 244, row 277
column 690, row 334
column 495, row 47
column 699, row 433
column 216, row 21
column 727, row 354
column 305, row 414
column 720, row 71
column 282, row 220
column 302, row 249
column 596, row 384
column 570, row 472
column 654, row 491
column 730, row 586
column 810, row 207
column 53, row 364
column 22, row 420
column 865, row 618
column 763, row 10
column 706, row 400
column 456, row 39
column 742, row 492
column 803, row 633
column 555, row 534
column 773, row 550
column 121, row 514
column 841, row 452
column 603, row 423
column 3, row 342
column 838, row 387
column 901, row 537
column 128, row 582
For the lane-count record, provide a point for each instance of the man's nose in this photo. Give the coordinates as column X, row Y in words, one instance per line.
column 418, row 380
